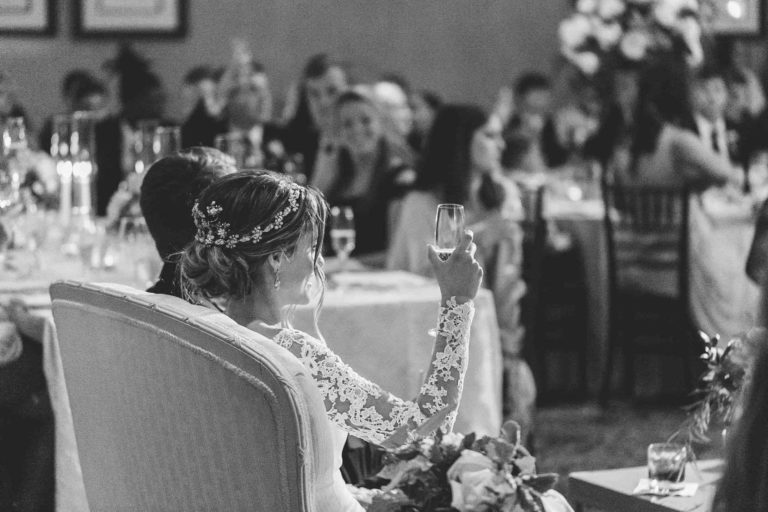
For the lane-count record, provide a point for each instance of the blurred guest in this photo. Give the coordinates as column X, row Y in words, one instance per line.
column 81, row 91
column 391, row 92
column 462, row 164
column 247, row 115
column 710, row 98
column 142, row 98
column 462, row 158
column 618, row 116
column 9, row 106
column 26, row 418
column 666, row 153
column 168, row 193
column 310, row 132
column 424, row 106
column 201, row 109
column 664, row 150
column 370, row 169
column 529, row 135
column 744, row 485
column 575, row 124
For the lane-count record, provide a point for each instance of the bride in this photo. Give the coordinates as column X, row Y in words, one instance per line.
column 256, row 254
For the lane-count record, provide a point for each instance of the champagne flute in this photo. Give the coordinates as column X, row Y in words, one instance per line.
column 233, row 145
column 449, row 228
column 342, row 232
column 167, row 140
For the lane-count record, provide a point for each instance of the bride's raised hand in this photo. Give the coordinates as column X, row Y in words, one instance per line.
column 460, row 275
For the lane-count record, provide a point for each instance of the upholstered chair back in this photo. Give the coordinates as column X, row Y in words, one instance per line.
column 178, row 408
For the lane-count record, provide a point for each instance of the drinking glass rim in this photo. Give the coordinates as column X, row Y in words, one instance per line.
column 450, row 205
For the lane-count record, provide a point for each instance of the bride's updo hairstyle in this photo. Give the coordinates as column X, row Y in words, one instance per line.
column 241, row 219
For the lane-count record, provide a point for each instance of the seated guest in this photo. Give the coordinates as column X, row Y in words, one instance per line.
column 370, row 169
column 744, row 484
column 309, row 132
column 727, row 138
column 462, row 164
column 246, row 121
column 201, row 107
column 529, row 136
column 9, row 106
column 391, row 92
column 81, row 91
column 424, row 106
column 26, row 418
column 168, row 192
column 462, row 153
column 142, row 98
column 664, row 152
column 257, row 250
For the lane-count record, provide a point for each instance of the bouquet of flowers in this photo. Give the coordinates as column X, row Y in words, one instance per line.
column 452, row 472
column 721, row 386
column 603, row 31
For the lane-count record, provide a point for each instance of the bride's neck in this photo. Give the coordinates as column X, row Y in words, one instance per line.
column 256, row 306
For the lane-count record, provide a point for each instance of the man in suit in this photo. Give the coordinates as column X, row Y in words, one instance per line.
column 168, row 192
column 729, row 138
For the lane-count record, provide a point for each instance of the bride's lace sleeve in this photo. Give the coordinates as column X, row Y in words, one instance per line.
column 362, row 407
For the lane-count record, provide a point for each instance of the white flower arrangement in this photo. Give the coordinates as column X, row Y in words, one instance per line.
column 630, row 30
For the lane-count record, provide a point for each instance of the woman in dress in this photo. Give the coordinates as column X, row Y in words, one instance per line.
column 369, row 170
column 257, row 254
column 666, row 151
column 462, row 164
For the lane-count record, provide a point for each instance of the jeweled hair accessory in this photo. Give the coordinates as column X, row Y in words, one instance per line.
column 212, row 231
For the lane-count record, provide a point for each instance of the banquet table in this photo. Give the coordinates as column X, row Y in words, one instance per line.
column 377, row 323
column 611, row 490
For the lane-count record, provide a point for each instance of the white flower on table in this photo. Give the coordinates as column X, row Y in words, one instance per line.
column 587, row 62
column 634, row 45
column 607, row 34
column 587, row 6
column 574, row 31
column 611, row 9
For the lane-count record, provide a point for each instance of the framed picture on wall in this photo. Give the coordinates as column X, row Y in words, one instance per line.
column 130, row 18
column 736, row 17
column 27, row 17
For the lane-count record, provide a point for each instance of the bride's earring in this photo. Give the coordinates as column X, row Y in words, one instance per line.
column 277, row 278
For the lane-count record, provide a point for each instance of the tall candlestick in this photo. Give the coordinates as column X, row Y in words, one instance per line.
column 81, row 192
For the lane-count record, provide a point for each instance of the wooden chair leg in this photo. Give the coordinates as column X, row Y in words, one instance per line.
column 629, row 370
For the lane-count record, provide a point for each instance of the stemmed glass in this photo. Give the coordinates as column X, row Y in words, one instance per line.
column 167, row 140
column 449, row 228
column 342, row 232
column 233, row 145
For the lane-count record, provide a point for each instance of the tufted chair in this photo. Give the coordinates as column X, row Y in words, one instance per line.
column 177, row 408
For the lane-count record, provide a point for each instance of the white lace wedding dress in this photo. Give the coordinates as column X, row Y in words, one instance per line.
column 357, row 406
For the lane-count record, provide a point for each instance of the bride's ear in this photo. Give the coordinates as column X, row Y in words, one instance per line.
column 274, row 260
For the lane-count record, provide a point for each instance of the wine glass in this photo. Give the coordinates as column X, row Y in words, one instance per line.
column 167, row 140
column 449, row 228
column 233, row 145
column 14, row 136
column 342, row 232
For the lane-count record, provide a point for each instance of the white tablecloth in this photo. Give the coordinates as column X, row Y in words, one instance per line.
column 380, row 329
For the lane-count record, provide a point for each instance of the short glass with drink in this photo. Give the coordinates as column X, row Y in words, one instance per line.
column 666, row 466
column 449, row 228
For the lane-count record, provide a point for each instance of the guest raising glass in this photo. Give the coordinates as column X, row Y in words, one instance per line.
column 257, row 254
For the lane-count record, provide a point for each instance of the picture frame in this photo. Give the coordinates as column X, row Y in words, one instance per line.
column 27, row 17
column 737, row 17
column 130, row 18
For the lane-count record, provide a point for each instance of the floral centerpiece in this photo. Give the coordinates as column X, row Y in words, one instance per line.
column 453, row 472
column 721, row 386
column 602, row 33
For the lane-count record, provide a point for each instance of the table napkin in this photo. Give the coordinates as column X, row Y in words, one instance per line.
column 685, row 489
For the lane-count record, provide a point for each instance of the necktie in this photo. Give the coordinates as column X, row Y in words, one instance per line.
column 715, row 139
